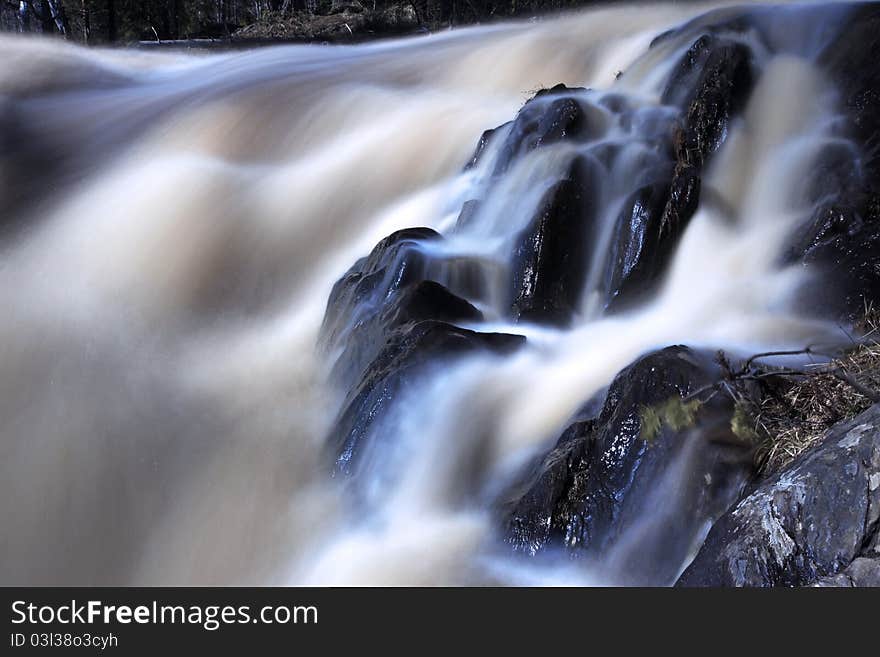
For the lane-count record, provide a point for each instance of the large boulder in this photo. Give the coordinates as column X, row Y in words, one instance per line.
column 810, row 522
column 386, row 321
column 709, row 86
column 614, row 472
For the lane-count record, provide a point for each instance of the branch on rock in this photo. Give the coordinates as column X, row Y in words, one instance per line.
column 791, row 408
column 751, row 370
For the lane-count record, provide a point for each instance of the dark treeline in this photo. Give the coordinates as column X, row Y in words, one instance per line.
column 111, row 21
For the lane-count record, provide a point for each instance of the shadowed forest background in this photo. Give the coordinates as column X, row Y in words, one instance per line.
column 125, row 21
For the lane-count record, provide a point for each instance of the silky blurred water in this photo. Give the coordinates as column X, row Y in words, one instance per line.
column 174, row 224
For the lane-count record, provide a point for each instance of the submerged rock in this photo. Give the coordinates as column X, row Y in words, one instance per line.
column 469, row 210
column 809, row 523
column 605, row 477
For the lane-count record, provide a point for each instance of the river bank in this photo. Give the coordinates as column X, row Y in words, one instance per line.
column 352, row 24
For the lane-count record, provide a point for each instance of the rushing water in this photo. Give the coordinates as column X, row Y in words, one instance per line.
column 173, row 225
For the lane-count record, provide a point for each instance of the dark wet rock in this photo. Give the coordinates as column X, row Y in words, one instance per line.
column 557, row 90
column 684, row 77
column 361, row 301
column 851, row 60
column 840, row 243
column 420, row 301
column 828, row 229
column 408, row 348
column 647, row 232
column 601, row 481
column 684, row 197
column 551, row 116
column 809, row 521
column 633, row 242
column 837, row 173
column 720, row 91
column 841, row 239
column 552, row 254
column 386, row 319
column 709, row 87
column 712, row 82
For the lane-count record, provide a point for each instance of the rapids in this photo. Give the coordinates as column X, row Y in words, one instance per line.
column 172, row 225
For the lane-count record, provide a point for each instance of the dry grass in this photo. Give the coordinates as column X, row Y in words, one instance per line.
column 799, row 410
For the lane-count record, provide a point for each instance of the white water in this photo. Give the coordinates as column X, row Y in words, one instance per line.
column 162, row 405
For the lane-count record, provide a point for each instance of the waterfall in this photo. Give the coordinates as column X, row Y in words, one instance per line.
column 173, row 225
